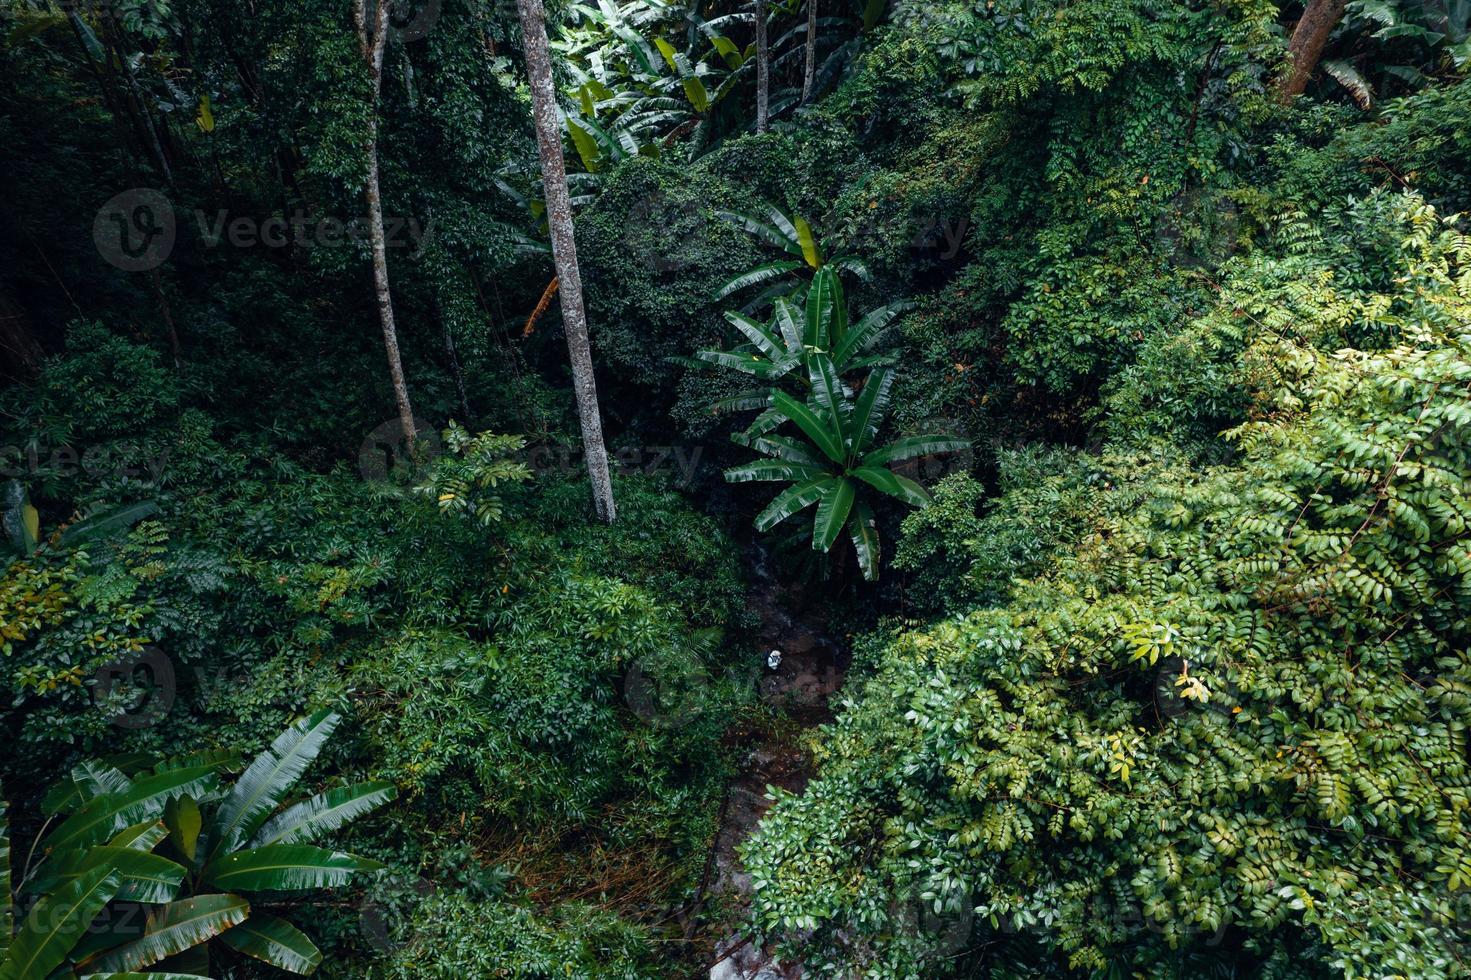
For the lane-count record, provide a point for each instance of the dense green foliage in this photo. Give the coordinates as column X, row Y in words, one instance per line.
column 1155, row 385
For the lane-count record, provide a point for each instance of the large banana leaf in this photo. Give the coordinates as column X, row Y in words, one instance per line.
column 132, row 975
column 771, row 471
column 869, row 329
column 782, row 447
column 864, row 532
column 304, row 821
column 759, row 274
column 752, row 364
column 832, row 513
column 891, row 483
column 789, row 323
column 141, row 836
column 912, row 446
column 145, row 877
column 822, row 298
column 778, row 231
column 275, row 941
column 104, row 816
column 285, row 867
column 827, row 394
column 267, row 780
column 94, row 778
column 820, row 431
column 869, row 410
column 55, row 924
column 792, row 500
column 174, row 928
column 758, row 334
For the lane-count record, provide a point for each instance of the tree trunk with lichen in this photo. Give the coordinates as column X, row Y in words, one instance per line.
column 763, row 70
column 1309, row 38
column 809, row 71
column 564, row 251
column 373, row 39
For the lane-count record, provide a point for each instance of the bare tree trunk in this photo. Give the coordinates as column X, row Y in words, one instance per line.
column 373, row 39
column 763, row 70
column 809, row 74
column 1309, row 38
column 564, row 251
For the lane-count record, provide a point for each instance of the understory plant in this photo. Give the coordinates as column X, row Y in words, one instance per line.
column 156, row 863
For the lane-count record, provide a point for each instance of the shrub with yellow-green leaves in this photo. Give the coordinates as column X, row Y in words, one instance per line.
column 1228, row 732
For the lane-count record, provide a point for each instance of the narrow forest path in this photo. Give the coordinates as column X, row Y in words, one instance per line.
column 811, row 670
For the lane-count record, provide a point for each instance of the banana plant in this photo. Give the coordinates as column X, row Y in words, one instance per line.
column 837, row 463
column 778, row 350
column 216, row 846
column 793, row 235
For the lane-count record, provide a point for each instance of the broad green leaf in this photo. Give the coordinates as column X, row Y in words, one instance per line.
column 174, row 928
column 825, row 438
column 56, row 923
column 143, row 836
column 204, row 118
column 752, row 364
column 869, row 410
column 832, row 513
column 285, row 867
column 183, row 819
column 789, row 323
column 891, row 483
column 912, row 446
column 667, row 50
column 827, row 394
column 145, row 877
column 757, row 333
column 586, row 147
column 104, row 816
column 305, row 821
column 808, row 243
column 864, row 531
column 792, row 500
column 275, row 941
column 267, row 780
column 108, row 523
column 819, row 313
column 771, row 471
column 782, row 447
column 752, row 225
column 869, row 329
column 95, row 779
column 757, row 275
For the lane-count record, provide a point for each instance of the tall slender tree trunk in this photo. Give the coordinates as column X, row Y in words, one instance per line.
column 564, row 251
column 809, row 73
column 763, row 70
column 1309, row 38
column 373, row 39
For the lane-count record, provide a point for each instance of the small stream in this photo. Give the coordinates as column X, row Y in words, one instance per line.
column 811, row 670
